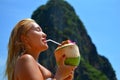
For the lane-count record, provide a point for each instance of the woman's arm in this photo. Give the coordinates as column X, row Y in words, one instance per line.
column 64, row 72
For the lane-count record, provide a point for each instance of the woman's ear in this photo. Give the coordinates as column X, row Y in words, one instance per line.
column 23, row 39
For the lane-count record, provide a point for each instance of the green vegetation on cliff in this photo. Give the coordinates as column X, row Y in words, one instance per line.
column 60, row 22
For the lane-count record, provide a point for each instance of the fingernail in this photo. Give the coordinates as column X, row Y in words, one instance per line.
column 63, row 55
column 71, row 72
column 73, row 69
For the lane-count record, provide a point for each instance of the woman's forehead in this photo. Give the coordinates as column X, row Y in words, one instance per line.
column 34, row 25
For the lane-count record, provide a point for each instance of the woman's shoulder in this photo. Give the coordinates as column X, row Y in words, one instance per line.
column 24, row 61
column 27, row 66
column 26, row 57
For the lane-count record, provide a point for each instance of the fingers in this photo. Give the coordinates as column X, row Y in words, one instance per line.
column 70, row 68
column 70, row 76
column 62, row 59
column 65, row 72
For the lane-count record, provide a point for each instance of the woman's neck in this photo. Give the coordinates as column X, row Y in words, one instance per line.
column 34, row 53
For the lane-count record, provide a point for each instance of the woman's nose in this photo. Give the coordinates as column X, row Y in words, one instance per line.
column 44, row 35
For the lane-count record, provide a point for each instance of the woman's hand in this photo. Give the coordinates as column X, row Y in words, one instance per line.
column 64, row 72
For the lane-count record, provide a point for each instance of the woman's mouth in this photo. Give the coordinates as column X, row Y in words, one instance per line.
column 44, row 40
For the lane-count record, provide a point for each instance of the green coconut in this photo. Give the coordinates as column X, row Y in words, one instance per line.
column 72, row 61
column 71, row 52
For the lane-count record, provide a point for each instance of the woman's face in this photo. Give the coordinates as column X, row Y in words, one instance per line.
column 36, row 37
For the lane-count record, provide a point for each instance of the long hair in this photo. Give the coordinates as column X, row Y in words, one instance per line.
column 16, row 46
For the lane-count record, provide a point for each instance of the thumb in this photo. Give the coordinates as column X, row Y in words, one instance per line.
column 62, row 60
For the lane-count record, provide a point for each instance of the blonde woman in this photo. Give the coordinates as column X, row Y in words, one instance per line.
column 26, row 42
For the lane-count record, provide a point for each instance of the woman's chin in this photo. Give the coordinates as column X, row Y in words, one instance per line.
column 45, row 47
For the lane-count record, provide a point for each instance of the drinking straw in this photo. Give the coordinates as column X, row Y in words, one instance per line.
column 53, row 41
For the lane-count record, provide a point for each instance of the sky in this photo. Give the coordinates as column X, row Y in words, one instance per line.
column 101, row 19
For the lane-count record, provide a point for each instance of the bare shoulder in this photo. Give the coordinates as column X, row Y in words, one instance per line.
column 25, row 57
column 23, row 62
column 27, row 66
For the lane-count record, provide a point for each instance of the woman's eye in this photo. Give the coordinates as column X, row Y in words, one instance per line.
column 38, row 29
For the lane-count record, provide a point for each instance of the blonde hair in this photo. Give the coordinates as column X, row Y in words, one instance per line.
column 16, row 46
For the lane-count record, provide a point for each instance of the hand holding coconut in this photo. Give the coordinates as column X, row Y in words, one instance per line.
column 68, row 58
column 70, row 50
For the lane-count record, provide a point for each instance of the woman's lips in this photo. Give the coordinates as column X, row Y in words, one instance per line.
column 44, row 40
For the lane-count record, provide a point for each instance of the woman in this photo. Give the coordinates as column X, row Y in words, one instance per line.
column 26, row 42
